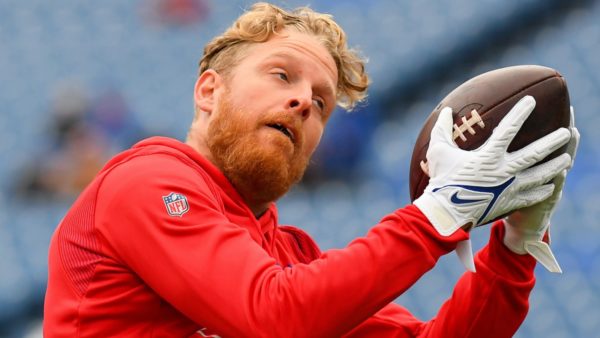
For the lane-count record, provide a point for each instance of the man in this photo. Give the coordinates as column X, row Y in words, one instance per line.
column 175, row 239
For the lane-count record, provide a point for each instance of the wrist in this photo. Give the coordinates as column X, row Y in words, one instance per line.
column 516, row 238
column 440, row 218
column 504, row 262
column 513, row 239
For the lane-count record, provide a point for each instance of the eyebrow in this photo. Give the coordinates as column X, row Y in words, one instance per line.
column 322, row 86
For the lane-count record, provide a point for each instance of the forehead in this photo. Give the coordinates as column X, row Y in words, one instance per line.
column 302, row 49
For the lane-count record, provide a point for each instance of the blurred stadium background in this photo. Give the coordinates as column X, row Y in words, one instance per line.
column 80, row 81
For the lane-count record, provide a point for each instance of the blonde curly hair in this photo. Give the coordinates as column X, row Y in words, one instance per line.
column 263, row 20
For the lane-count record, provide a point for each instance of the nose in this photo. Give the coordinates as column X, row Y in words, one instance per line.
column 301, row 104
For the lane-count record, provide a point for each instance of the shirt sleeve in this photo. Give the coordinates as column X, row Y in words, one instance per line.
column 492, row 302
column 211, row 269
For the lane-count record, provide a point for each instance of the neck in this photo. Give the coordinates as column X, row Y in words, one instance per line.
column 198, row 143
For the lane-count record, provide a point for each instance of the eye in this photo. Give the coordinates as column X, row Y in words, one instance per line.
column 282, row 76
column 319, row 103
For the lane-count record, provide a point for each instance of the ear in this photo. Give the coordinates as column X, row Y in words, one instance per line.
column 205, row 90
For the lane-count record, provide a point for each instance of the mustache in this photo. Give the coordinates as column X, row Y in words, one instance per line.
column 284, row 118
column 281, row 117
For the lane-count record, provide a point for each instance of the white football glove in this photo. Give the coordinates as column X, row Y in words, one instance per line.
column 525, row 228
column 471, row 188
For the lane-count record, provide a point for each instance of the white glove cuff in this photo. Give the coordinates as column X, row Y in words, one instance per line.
column 438, row 216
column 515, row 238
column 521, row 242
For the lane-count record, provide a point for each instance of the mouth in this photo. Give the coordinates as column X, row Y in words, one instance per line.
column 284, row 130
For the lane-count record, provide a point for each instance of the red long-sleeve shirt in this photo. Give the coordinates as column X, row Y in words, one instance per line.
column 161, row 245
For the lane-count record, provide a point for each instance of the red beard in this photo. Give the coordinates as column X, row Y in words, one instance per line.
column 262, row 169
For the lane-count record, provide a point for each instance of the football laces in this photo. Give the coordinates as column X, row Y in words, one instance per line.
column 467, row 125
column 459, row 132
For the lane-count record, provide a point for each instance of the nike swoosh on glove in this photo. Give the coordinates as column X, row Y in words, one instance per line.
column 474, row 187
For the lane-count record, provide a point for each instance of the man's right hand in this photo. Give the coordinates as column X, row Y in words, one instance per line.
column 471, row 188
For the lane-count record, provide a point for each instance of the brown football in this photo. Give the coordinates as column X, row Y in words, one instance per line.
column 480, row 103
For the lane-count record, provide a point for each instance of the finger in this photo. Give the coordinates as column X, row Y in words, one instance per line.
column 533, row 196
column 572, row 117
column 442, row 130
column 559, row 181
column 538, row 150
column 542, row 173
column 574, row 143
column 512, row 122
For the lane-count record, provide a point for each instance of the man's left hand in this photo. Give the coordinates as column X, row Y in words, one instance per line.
column 525, row 228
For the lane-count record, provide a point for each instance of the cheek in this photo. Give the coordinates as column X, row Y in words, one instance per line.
column 313, row 137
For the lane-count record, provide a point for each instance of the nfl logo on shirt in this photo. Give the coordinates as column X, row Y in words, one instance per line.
column 177, row 204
